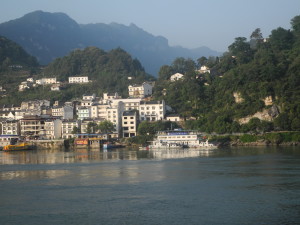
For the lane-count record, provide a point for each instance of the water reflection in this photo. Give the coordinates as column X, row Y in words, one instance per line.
column 35, row 174
column 56, row 156
column 180, row 153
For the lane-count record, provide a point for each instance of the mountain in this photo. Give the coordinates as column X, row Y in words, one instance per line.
column 50, row 35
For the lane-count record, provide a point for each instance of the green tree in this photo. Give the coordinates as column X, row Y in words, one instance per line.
column 106, row 127
column 75, row 130
column 91, row 128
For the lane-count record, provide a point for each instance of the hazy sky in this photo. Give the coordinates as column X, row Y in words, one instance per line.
column 189, row 23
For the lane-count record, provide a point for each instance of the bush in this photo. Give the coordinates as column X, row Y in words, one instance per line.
column 245, row 138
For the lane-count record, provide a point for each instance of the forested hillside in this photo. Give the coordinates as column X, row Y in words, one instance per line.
column 109, row 71
column 256, row 75
column 15, row 65
column 11, row 54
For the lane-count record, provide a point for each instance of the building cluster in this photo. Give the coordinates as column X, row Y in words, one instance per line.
column 40, row 120
column 55, row 85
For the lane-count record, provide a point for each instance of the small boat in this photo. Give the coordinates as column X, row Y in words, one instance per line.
column 18, row 147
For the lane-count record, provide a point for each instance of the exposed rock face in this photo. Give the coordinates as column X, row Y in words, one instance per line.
column 266, row 114
column 238, row 97
column 268, row 100
column 273, row 111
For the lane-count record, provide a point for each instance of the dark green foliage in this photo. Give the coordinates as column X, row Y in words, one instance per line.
column 255, row 70
column 11, row 55
column 109, row 72
column 248, row 138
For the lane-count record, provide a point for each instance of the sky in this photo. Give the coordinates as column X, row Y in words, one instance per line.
column 188, row 23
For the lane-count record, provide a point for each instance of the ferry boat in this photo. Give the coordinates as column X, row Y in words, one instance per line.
column 180, row 139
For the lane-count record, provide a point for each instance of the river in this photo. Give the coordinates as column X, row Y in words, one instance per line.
column 242, row 185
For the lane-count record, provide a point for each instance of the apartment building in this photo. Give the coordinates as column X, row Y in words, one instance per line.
column 129, row 123
column 152, row 110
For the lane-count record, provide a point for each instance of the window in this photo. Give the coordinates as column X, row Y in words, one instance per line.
column 125, row 122
column 131, row 118
column 125, row 118
column 153, row 107
column 131, row 122
column 142, row 108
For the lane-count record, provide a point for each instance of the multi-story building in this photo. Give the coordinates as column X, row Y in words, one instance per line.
column 89, row 97
column 10, row 127
column 129, row 103
column 110, row 96
column 53, row 128
column 114, row 115
column 65, row 112
column 67, row 128
column 152, row 110
column 32, row 126
column 84, row 113
column 34, row 105
column 84, row 79
column 129, row 123
column 46, row 81
column 99, row 111
column 140, row 91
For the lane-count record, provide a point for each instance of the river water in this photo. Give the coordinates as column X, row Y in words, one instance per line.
column 250, row 185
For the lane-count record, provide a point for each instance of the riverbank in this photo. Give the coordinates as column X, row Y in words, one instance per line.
column 266, row 139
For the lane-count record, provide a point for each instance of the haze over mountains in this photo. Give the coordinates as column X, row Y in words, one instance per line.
column 51, row 35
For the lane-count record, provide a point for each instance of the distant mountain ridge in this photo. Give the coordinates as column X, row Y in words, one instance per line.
column 50, row 35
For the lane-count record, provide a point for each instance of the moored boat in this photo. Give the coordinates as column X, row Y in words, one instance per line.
column 181, row 139
column 18, row 147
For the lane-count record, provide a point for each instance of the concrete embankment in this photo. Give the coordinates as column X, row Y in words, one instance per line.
column 49, row 144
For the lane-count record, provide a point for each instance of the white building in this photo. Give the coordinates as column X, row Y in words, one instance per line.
column 68, row 127
column 174, row 118
column 30, row 79
column 152, row 110
column 53, row 128
column 140, row 91
column 99, row 111
column 129, row 103
column 10, row 127
column 129, row 123
column 114, row 115
column 65, row 112
column 24, row 85
column 204, row 69
column 84, row 79
column 43, row 81
column 89, row 97
column 84, row 113
column 110, row 96
column 55, row 87
column 176, row 76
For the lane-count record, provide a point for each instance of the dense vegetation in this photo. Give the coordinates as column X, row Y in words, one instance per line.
column 255, row 69
column 11, row 54
column 108, row 71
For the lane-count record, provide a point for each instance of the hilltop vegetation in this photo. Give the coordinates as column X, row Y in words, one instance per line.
column 108, row 72
column 253, row 70
column 15, row 65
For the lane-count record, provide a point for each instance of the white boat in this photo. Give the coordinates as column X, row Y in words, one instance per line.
column 180, row 139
